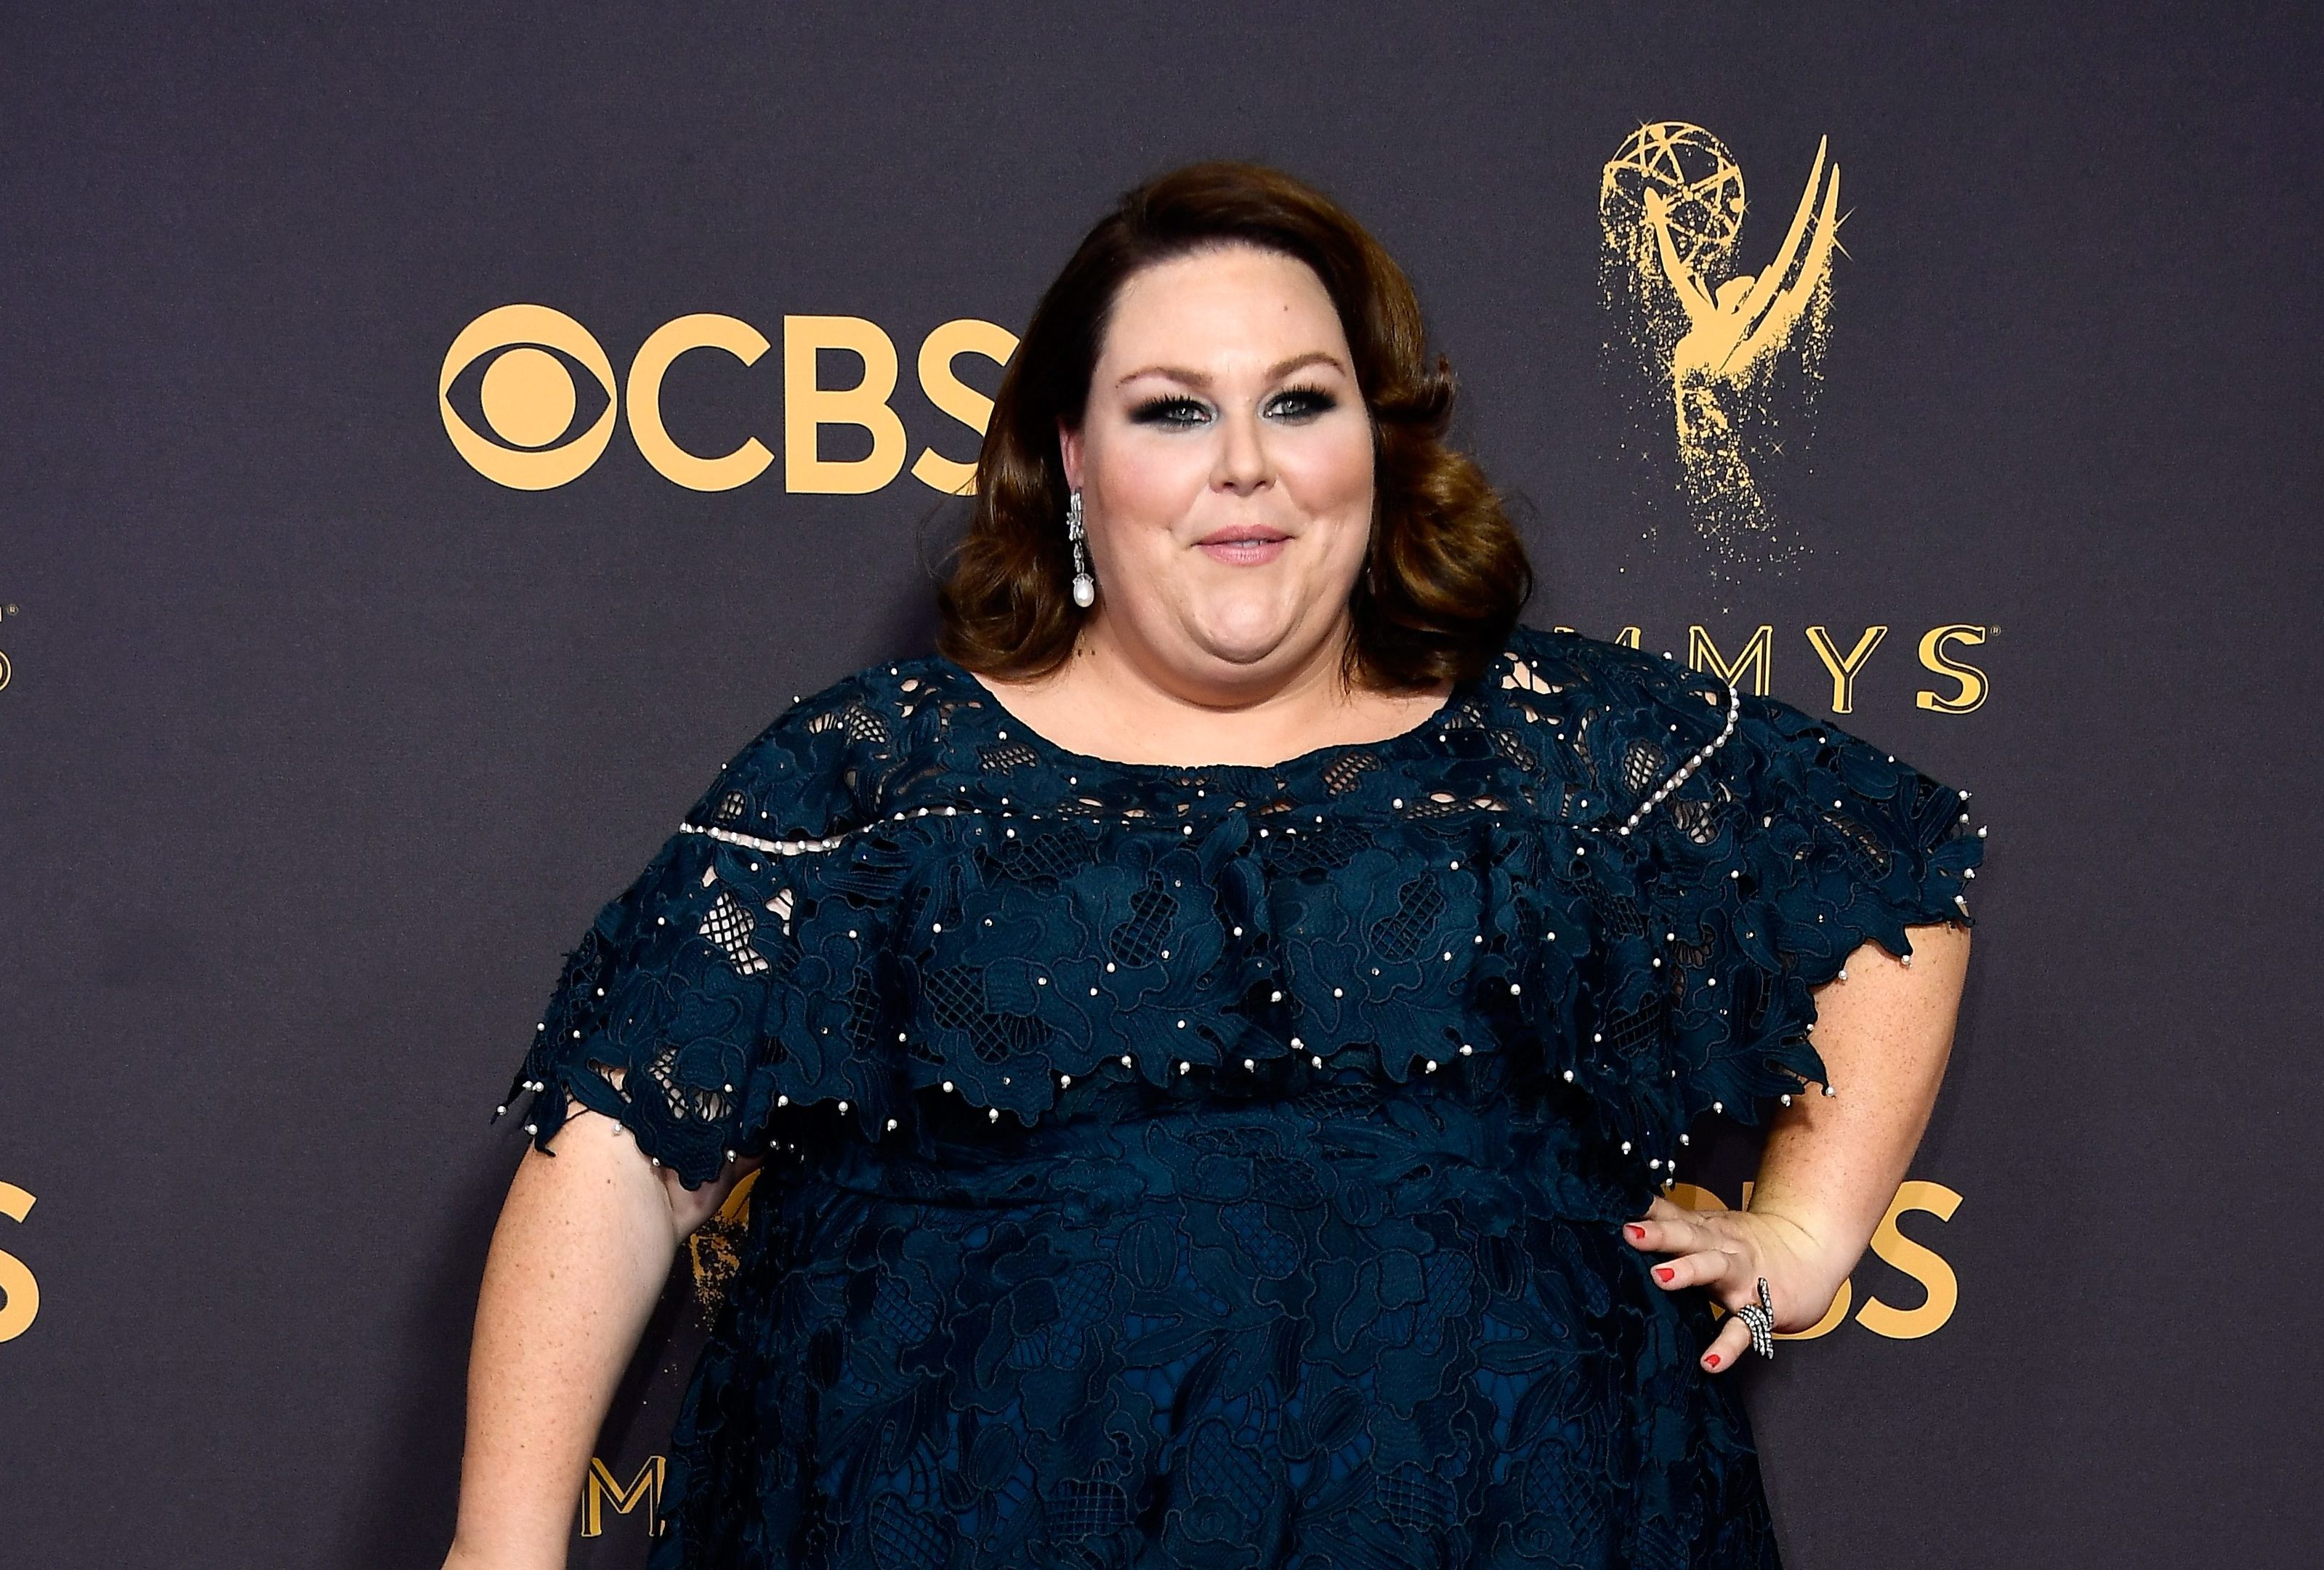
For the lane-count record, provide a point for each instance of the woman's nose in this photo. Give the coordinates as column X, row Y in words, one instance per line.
column 1243, row 466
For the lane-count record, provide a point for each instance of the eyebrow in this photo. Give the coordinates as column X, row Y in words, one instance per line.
column 1276, row 371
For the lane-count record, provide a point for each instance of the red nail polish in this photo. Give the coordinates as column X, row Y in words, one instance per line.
column 1711, row 1362
column 1664, row 1272
column 1639, row 1232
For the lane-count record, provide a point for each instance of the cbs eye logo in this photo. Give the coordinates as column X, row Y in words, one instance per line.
column 544, row 392
column 530, row 396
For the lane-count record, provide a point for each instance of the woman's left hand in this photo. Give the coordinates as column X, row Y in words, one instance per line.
column 1726, row 1252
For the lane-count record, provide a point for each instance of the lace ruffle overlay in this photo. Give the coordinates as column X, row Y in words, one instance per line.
column 1223, row 1166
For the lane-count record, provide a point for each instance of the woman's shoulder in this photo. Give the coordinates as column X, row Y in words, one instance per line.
column 1604, row 674
column 1648, row 730
column 1630, row 718
column 827, row 761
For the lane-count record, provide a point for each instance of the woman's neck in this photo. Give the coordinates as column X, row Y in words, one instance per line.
column 1105, row 702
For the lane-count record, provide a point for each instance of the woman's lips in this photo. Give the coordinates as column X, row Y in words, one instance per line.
column 1243, row 546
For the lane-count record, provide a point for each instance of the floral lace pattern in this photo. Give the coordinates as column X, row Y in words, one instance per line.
column 1223, row 1166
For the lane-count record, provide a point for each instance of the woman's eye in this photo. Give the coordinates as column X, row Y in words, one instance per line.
column 1302, row 403
column 1180, row 411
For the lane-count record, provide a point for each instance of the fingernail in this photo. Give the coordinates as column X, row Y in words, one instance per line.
column 1664, row 1272
column 1640, row 1232
column 1711, row 1361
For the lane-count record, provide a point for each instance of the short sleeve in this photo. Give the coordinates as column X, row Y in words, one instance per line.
column 1798, row 844
column 668, row 1016
column 1721, row 854
column 1841, row 842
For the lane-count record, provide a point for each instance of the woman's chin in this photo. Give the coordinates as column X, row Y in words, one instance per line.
column 1246, row 648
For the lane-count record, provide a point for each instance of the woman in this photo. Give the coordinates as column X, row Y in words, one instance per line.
column 1216, row 1035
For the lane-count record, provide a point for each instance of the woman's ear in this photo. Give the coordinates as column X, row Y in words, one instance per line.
column 1069, row 449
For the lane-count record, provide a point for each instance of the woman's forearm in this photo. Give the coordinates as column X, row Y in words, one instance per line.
column 1832, row 1164
column 578, row 1258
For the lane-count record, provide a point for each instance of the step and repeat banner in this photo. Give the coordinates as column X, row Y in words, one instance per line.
column 438, row 437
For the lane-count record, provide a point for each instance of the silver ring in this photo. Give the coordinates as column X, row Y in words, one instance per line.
column 1760, row 1319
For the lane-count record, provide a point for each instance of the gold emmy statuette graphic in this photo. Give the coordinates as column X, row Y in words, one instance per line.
column 1716, row 339
column 715, row 1247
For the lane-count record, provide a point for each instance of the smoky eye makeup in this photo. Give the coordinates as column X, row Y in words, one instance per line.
column 1176, row 409
column 1302, row 402
column 1168, row 410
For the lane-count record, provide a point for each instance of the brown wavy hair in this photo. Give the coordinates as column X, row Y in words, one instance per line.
column 1444, row 574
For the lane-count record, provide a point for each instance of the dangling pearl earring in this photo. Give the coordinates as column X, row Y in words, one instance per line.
column 1084, row 585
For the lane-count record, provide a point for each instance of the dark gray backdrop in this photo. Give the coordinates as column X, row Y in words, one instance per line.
column 318, row 747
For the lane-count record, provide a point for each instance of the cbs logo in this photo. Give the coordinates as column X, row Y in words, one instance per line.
column 544, row 392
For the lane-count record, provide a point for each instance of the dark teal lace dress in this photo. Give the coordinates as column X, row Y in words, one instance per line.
column 1224, row 1166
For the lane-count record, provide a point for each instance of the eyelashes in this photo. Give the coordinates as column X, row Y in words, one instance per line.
column 1302, row 403
column 1176, row 412
column 1170, row 413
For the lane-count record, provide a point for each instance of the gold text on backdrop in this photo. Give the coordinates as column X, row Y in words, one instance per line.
column 1940, row 1288
column 543, row 392
column 1752, row 666
column 20, row 1291
column 603, row 1489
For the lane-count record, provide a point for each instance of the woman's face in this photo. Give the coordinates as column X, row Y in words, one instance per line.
column 1225, row 467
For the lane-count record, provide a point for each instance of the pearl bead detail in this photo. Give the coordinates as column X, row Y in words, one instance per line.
column 1261, row 960
column 1686, row 770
